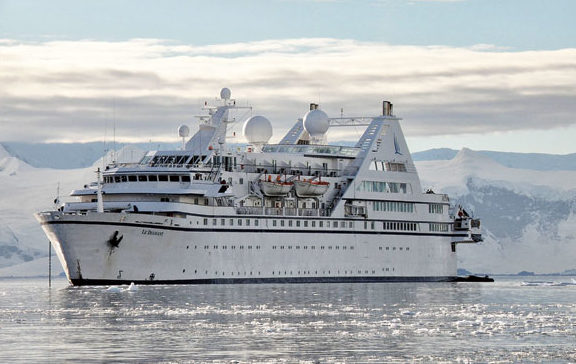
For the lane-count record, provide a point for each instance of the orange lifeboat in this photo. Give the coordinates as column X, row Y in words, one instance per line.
column 275, row 188
column 309, row 188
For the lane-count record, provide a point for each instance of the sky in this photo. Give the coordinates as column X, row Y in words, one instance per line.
column 482, row 74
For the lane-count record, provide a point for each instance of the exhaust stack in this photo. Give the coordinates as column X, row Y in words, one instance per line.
column 387, row 108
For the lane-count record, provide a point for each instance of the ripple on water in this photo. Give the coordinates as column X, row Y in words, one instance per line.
column 287, row 323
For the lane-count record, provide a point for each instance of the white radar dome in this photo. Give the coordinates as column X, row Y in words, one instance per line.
column 257, row 130
column 225, row 93
column 183, row 131
column 316, row 123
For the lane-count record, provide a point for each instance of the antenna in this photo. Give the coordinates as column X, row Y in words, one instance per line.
column 99, row 202
column 57, row 199
column 105, row 150
column 114, row 130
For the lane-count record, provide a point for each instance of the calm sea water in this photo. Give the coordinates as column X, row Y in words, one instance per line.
column 378, row 322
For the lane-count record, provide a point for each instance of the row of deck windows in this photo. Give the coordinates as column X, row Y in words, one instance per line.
column 436, row 208
column 300, row 272
column 289, row 223
column 387, row 187
column 393, row 248
column 368, row 225
column 312, row 247
column 439, row 227
column 393, row 206
column 290, row 247
column 295, row 247
column 232, row 247
column 408, row 226
column 146, row 178
column 387, row 166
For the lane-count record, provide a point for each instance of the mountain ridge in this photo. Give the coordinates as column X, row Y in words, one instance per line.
column 80, row 155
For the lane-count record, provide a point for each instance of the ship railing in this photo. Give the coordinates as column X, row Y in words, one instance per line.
column 306, row 212
column 281, row 211
column 250, row 210
column 288, row 170
column 276, row 211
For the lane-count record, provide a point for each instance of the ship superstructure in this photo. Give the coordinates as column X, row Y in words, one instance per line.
column 296, row 211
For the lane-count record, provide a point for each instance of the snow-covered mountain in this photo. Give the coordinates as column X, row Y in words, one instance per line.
column 528, row 215
column 535, row 161
column 26, row 190
column 71, row 155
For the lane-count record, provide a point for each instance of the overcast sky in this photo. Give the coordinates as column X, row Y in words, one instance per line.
column 483, row 74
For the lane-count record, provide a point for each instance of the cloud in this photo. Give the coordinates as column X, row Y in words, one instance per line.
column 72, row 90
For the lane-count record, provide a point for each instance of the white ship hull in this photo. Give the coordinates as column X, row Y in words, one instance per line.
column 204, row 215
column 176, row 251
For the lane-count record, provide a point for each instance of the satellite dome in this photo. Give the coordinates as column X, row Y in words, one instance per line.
column 225, row 93
column 183, row 131
column 316, row 123
column 257, row 130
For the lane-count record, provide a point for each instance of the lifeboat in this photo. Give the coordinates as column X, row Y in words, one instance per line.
column 275, row 188
column 311, row 188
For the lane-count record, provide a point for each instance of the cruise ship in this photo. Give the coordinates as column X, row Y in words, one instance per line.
column 297, row 211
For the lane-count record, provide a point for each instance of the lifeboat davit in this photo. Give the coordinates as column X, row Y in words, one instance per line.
column 311, row 188
column 275, row 188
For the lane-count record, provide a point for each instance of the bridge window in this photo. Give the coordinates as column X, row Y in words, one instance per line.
column 386, row 187
column 440, row 227
column 436, row 208
column 393, row 206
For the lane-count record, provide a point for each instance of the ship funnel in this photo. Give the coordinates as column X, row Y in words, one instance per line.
column 387, row 108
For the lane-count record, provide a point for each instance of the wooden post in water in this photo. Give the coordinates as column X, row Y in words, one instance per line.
column 49, row 264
